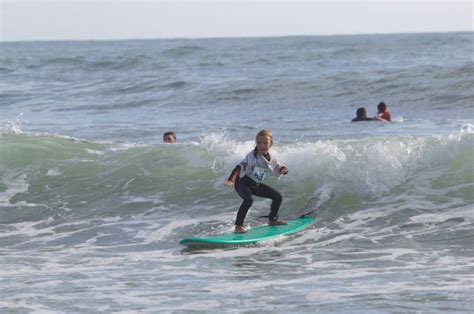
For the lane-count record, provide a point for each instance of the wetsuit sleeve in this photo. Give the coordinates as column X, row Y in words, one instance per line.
column 242, row 167
column 234, row 174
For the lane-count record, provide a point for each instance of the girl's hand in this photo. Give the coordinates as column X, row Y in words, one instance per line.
column 229, row 183
column 283, row 170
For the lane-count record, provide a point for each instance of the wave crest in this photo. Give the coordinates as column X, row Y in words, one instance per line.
column 80, row 178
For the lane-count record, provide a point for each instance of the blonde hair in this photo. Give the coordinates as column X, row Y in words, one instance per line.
column 265, row 133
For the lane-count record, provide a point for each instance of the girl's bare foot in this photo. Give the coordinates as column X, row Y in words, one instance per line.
column 277, row 222
column 240, row 229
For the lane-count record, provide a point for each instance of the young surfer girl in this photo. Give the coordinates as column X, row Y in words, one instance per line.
column 248, row 175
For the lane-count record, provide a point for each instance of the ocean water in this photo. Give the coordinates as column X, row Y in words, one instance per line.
column 93, row 204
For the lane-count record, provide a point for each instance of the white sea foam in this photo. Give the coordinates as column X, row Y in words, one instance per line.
column 372, row 166
column 94, row 152
column 465, row 212
column 15, row 184
column 11, row 128
column 54, row 172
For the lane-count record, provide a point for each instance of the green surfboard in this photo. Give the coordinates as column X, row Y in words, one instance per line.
column 253, row 236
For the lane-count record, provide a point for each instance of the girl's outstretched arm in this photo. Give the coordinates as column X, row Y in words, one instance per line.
column 233, row 176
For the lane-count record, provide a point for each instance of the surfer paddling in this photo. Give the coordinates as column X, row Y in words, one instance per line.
column 247, row 178
column 361, row 115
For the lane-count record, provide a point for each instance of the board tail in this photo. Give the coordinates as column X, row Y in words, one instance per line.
column 308, row 213
column 297, row 215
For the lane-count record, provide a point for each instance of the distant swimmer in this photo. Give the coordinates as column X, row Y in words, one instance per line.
column 383, row 112
column 169, row 137
column 361, row 114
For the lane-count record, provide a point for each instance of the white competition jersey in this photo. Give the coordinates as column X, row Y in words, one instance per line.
column 259, row 168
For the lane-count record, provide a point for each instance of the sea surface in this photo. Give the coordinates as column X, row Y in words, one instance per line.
column 93, row 204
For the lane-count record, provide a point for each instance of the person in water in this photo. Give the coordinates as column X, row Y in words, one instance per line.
column 383, row 112
column 169, row 137
column 361, row 115
column 247, row 178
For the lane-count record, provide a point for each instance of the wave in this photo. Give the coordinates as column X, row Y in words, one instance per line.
column 176, row 84
column 5, row 69
column 82, row 63
column 118, row 63
column 68, row 179
column 311, row 71
column 110, row 107
column 183, row 50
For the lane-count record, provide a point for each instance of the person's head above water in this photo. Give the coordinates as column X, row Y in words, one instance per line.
column 382, row 107
column 169, row 137
column 361, row 113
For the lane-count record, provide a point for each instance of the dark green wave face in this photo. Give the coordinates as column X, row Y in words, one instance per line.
column 86, row 212
column 66, row 179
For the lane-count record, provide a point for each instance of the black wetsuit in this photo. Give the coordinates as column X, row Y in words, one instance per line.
column 247, row 187
column 363, row 119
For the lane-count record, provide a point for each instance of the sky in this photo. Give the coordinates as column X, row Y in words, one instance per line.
column 22, row 20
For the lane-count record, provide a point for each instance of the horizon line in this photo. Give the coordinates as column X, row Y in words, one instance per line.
column 234, row 37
